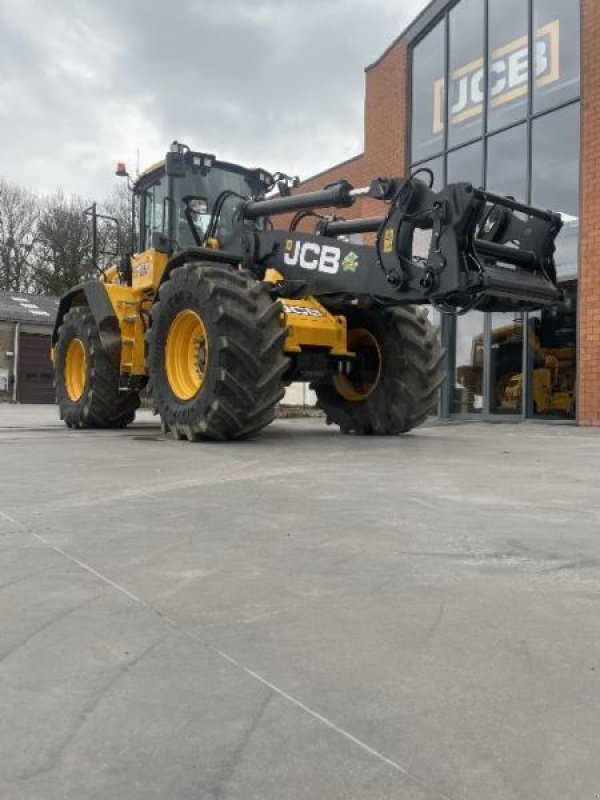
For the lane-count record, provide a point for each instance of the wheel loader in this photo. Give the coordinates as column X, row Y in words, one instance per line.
column 218, row 306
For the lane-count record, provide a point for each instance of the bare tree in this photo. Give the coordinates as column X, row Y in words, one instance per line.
column 63, row 245
column 18, row 220
column 115, row 239
column 46, row 245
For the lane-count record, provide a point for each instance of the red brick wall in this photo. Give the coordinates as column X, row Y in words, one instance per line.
column 386, row 118
column 386, row 112
column 589, row 282
column 352, row 170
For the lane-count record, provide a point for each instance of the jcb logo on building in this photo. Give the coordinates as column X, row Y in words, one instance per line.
column 508, row 77
column 310, row 255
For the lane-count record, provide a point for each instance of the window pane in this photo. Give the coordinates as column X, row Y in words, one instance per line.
column 465, row 92
column 555, row 179
column 553, row 358
column 468, row 378
column 556, row 23
column 506, row 362
column 154, row 211
column 507, row 163
column 508, row 62
column 464, row 165
column 428, row 108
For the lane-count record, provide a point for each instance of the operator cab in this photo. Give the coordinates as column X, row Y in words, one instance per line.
column 175, row 198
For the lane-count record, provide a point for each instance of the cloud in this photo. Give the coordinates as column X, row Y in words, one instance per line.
column 277, row 83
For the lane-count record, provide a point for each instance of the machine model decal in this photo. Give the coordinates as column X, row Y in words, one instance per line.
column 304, row 311
column 313, row 256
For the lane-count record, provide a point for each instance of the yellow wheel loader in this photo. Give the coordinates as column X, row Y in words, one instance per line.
column 552, row 351
column 218, row 309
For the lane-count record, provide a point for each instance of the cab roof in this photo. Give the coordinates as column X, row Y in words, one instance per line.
column 152, row 168
column 228, row 165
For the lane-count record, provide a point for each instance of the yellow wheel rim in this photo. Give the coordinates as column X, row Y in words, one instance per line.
column 75, row 369
column 186, row 355
column 365, row 370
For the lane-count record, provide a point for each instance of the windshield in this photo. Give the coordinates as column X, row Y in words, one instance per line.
column 209, row 186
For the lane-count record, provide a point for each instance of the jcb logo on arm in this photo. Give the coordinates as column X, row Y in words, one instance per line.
column 310, row 255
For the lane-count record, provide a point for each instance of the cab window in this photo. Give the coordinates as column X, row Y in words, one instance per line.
column 155, row 211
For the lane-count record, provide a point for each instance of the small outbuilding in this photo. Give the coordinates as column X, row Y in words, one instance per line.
column 26, row 373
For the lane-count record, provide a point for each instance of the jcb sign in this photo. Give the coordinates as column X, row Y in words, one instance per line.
column 508, row 77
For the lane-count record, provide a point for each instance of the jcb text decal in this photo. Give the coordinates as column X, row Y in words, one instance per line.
column 310, row 255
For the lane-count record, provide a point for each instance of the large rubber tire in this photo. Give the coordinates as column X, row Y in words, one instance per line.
column 244, row 365
column 410, row 373
column 101, row 404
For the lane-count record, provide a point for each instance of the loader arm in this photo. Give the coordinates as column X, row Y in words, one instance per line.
column 486, row 252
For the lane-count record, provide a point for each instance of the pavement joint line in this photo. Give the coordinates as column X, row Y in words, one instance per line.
column 320, row 718
column 166, row 620
column 68, row 556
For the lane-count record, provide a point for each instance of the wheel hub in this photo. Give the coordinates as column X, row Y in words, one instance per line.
column 75, row 369
column 186, row 355
column 365, row 369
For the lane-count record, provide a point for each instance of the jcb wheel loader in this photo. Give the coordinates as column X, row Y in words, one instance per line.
column 218, row 310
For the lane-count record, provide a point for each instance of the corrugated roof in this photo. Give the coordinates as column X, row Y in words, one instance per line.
column 22, row 307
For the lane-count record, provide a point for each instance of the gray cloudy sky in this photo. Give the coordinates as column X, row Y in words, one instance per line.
column 275, row 83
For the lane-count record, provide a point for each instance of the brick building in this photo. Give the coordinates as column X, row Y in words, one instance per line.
column 504, row 94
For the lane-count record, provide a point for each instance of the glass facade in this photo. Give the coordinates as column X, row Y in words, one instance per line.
column 428, row 107
column 508, row 56
column 466, row 84
column 496, row 102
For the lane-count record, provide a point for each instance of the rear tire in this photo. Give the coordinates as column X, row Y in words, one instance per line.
column 400, row 391
column 224, row 325
column 86, row 380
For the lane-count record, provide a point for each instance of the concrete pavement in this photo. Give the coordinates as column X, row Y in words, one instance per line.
column 305, row 616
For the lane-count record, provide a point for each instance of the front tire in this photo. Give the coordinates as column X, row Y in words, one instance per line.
column 215, row 353
column 394, row 382
column 86, row 380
